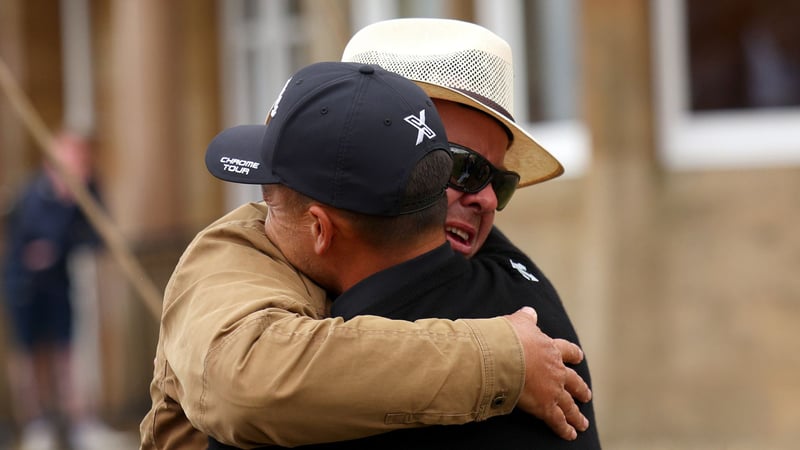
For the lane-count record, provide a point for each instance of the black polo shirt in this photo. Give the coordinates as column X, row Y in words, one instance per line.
column 499, row 280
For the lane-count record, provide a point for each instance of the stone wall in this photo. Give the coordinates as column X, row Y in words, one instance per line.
column 707, row 358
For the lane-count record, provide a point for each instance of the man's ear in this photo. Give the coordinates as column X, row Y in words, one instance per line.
column 322, row 229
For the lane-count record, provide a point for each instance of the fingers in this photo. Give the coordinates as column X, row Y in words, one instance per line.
column 570, row 353
column 549, row 384
column 557, row 422
column 572, row 413
column 573, row 383
column 577, row 387
column 564, row 417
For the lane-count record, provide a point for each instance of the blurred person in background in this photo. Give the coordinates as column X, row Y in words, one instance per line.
column 45, row 226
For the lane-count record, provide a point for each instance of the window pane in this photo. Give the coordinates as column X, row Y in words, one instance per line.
column 551, row 54
column 743, row 53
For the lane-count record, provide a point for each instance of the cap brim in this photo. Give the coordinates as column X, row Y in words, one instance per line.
column 236, row 155
column 525, row 156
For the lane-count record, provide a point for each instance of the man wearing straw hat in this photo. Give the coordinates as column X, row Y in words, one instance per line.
column 467, row 71
column 247, row 351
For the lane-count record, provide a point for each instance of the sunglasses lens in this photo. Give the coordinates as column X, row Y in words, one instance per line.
column 472, row 172
column 504, row 185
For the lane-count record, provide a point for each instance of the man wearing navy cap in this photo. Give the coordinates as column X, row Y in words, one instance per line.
column 353, row 163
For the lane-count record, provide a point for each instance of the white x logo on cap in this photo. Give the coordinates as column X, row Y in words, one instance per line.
column 419, row 124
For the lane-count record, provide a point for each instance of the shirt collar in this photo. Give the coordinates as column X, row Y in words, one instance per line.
column 377, row 286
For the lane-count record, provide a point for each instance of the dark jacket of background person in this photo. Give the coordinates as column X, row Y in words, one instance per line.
column 37, row 282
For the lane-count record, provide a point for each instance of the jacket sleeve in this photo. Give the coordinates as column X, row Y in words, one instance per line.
column 258, row 363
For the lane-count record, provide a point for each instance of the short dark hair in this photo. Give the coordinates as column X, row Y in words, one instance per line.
column 428, row 178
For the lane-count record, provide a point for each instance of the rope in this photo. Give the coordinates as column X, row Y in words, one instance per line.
column 96, row 215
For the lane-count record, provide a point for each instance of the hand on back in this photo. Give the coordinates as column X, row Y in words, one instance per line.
column 551, row 388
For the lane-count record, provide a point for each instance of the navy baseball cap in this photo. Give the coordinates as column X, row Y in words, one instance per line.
column 344, row 134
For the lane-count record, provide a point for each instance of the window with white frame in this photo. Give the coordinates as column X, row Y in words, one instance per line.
column 263, row 44
column 728, row 77
column 543, row 36
column 551, row 70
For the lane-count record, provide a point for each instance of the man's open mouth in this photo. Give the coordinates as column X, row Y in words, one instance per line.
column 458, row 235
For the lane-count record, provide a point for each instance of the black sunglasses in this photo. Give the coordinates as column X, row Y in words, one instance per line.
column 472, row 172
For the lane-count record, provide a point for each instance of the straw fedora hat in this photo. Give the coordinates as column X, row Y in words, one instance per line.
column 461, row 62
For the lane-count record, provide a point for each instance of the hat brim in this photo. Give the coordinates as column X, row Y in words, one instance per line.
column 525, row 156
column 236, row 155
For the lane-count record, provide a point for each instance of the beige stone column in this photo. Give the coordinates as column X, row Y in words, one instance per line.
column 158, row 108
column 143, row 197
column 328, row 28
column 12, row 132
column 28, row 31
column 620, row 294
column 197, row 112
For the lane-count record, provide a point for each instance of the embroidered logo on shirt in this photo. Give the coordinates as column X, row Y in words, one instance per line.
column 519, row 267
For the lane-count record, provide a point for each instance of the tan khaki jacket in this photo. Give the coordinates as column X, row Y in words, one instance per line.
column 247, row 354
